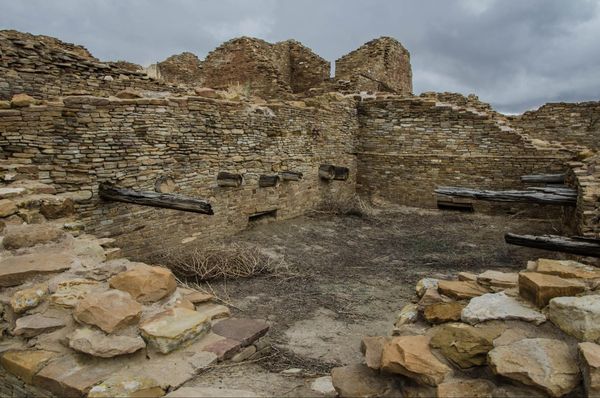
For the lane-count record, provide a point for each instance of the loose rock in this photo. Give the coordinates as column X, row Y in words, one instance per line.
column 96, row 343
column 460, row 290
column 499, row 306
column 543, row 363
column 361, row 381
column 146, row 284
column 464, row 345
column 111, row 310
column 26, row 299
column 30, row 235
column 33, row 325
column 410, row 356
column 443, row 312
column 577, row 316
column 408, row 314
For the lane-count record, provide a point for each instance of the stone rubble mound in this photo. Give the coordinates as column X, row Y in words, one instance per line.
column 497, row 334
column 78, row 320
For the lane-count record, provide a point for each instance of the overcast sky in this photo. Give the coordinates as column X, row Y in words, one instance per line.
column 515, row 54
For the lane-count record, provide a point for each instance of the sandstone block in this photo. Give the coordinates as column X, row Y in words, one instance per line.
column 98, row 344
column 410, row 356
column 577, row 316
column 464, row 345
column 57, row 207
column 33, row 325
column 127, row 386
column 246, row 331
column 443, row 312
column 476, row 388
column 69, row 292
column 408, row 314
column 498, row 279
column 546, row 364
column 460, row 290
column 30, row 235
column 172, row 328
column 25, row 364
column 361, row 381
column 111, row 310
column 7, row 208
column 499, row 306
column 541, row 288
column 21, row 101
column 589, row 359
column 372, row 348
column 566, row 269
column 146, row 284
column 26, row 299
column 16, row 270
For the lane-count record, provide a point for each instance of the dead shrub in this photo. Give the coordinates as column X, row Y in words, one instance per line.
column 347, row 205
column 219, row 261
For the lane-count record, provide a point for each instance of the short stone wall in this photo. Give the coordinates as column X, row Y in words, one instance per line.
column 584, row 175
column 408, row 146
column 132, row 143
column 575, row 123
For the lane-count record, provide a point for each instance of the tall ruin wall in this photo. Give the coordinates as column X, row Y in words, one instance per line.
column 576, row 123
column 409, row 146
column 84, row 141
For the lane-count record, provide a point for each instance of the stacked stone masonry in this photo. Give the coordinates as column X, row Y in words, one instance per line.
column 577, row 123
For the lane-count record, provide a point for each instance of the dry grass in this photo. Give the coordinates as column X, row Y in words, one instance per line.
column 210, row 262
column 347, row 205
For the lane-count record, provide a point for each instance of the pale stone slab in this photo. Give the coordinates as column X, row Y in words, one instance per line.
column 499, row 306
column 577, row 316
column 98, row 344
column 211, row 392
column 125, row 386
column 172, row 328
column 498, row 279
column 33, row 325
column 110, row 311
column 18, row 269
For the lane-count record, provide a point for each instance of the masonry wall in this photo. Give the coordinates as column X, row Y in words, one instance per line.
column 577, row 123
column 407, row 147
column 87, row 140
column 50, row 68
column 382, row 64
column 584, row 219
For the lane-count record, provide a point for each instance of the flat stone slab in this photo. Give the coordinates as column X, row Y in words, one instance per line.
column 172, row 328
column 33, row 325
column 98, row 344
column 541, row 288
column 499, row 306
column 70, row 377
column 498, row 279
column 244, row 330
column 25, row 364
column 210, row 392
column 566, row 269
column 213, row 311
column 127, row 386
column 18, row 269
column 460, row 290
column 171, row 371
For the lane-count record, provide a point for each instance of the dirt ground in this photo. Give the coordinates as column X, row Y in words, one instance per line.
column 349, row 276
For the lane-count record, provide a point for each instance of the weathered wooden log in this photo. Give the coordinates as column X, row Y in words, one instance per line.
column 225, row 179
column 562, row 196
column 327, row 172
column 291, row 176
column 341, row 173
column 155, row 199
column 575, row 245
column 544, row 178
column 268, row 181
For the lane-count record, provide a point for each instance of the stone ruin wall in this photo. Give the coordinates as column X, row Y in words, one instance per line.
column 408, row 146
column 575, row 123
column 584, row 175
column 87, row 140
column 48, row 69
column 266, row 70
column 184, row 68
column 380, row 65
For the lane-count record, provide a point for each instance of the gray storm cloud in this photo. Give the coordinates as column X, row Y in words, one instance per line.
column 514, row 54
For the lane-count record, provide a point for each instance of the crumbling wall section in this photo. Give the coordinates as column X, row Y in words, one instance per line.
column 568, row 123
column 132, row 143
column 382, row 64
column 584, row 175
column 184, row 68
column 408, row 146
column 45, row 68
